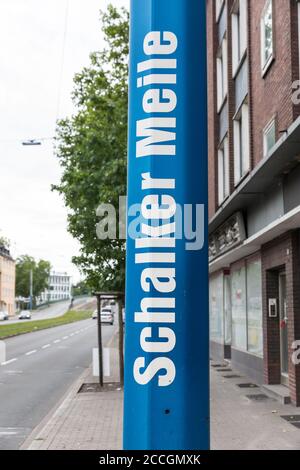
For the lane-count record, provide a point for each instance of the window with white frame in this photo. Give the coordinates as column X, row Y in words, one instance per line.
column 267, row 36
column 246, row 304
column 219, row 8
column 239, row 305
column 223, row 171
column 222, row 68
column 216, row 309
column 239, row 33
column 254, row 307
column 269, row 137
column 241, row 143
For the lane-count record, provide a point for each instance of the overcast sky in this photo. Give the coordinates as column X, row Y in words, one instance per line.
column 34, row 91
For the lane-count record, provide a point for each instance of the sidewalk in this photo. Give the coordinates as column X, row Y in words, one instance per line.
column 94, row 420
column 84, row 421
column 239, row 423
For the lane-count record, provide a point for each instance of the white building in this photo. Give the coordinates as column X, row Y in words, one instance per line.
column 60, row 287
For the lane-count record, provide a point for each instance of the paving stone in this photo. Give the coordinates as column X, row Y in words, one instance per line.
column 93, row 421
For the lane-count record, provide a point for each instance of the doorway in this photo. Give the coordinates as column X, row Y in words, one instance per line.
column 283, row 317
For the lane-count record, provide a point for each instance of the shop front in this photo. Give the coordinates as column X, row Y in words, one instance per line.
column 255, row 308
column 236, row 318
column 281, row 287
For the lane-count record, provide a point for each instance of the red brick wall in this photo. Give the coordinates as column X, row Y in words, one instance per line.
column 281, row 254
column 270, row 95
column 231, row 97
column 212, row 100
column 295, row 49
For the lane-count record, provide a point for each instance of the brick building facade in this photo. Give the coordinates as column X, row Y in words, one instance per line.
column 254, row 181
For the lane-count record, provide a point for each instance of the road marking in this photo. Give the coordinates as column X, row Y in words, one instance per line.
column 65, row 337
column 31, row 352
column 8, row 433
column 9, row 362
column 56, row 341
column 13, row 372
column 46, row 346
column 72, row 334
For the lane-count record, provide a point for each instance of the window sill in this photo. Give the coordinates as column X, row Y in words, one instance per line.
column 236, row 71
column 219, row 13
column 221, row 204
column 222, row 104
column 241, row 179
column 267, row 66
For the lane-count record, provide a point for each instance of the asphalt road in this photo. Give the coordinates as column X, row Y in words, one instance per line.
column 55, row 310
column 39, row 369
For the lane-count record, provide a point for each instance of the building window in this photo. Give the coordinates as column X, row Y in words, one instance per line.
column 238, row 305
column 239, row 33
column 223, row 171
column 219, row 8
column 254, row 308
column 216, row 309
column 269, row 137
column 246, row 301
column 227, row 310
column 241, row 143
column 267, row 37
column 222, row 68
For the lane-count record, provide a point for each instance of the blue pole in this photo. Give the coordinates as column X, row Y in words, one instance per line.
column 166, row 405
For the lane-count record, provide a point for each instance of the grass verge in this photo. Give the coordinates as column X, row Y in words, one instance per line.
column 16, row 329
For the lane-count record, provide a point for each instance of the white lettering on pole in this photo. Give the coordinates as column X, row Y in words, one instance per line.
column 156, row 138
column 155, row 366
column 160, row 43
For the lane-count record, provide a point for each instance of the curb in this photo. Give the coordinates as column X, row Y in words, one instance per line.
column 72, row 390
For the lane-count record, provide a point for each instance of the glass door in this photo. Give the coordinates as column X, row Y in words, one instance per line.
column 284, row 345
column 227, row 310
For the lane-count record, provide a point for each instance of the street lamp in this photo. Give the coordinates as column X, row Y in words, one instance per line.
column 31, row 142
column 31, row 288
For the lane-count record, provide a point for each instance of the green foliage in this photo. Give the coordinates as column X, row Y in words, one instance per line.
column 81, row 289
column 92, row 150
column 15, row 329
column 40, row 271
column 4, row 242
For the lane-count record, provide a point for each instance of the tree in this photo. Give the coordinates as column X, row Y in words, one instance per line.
column 4, row 242
column 40, row 271
column 81, row 288
column 92, row 150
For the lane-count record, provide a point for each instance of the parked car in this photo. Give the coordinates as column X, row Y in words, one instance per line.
column 106, row 315
column 3, row 315
column 25, row 315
